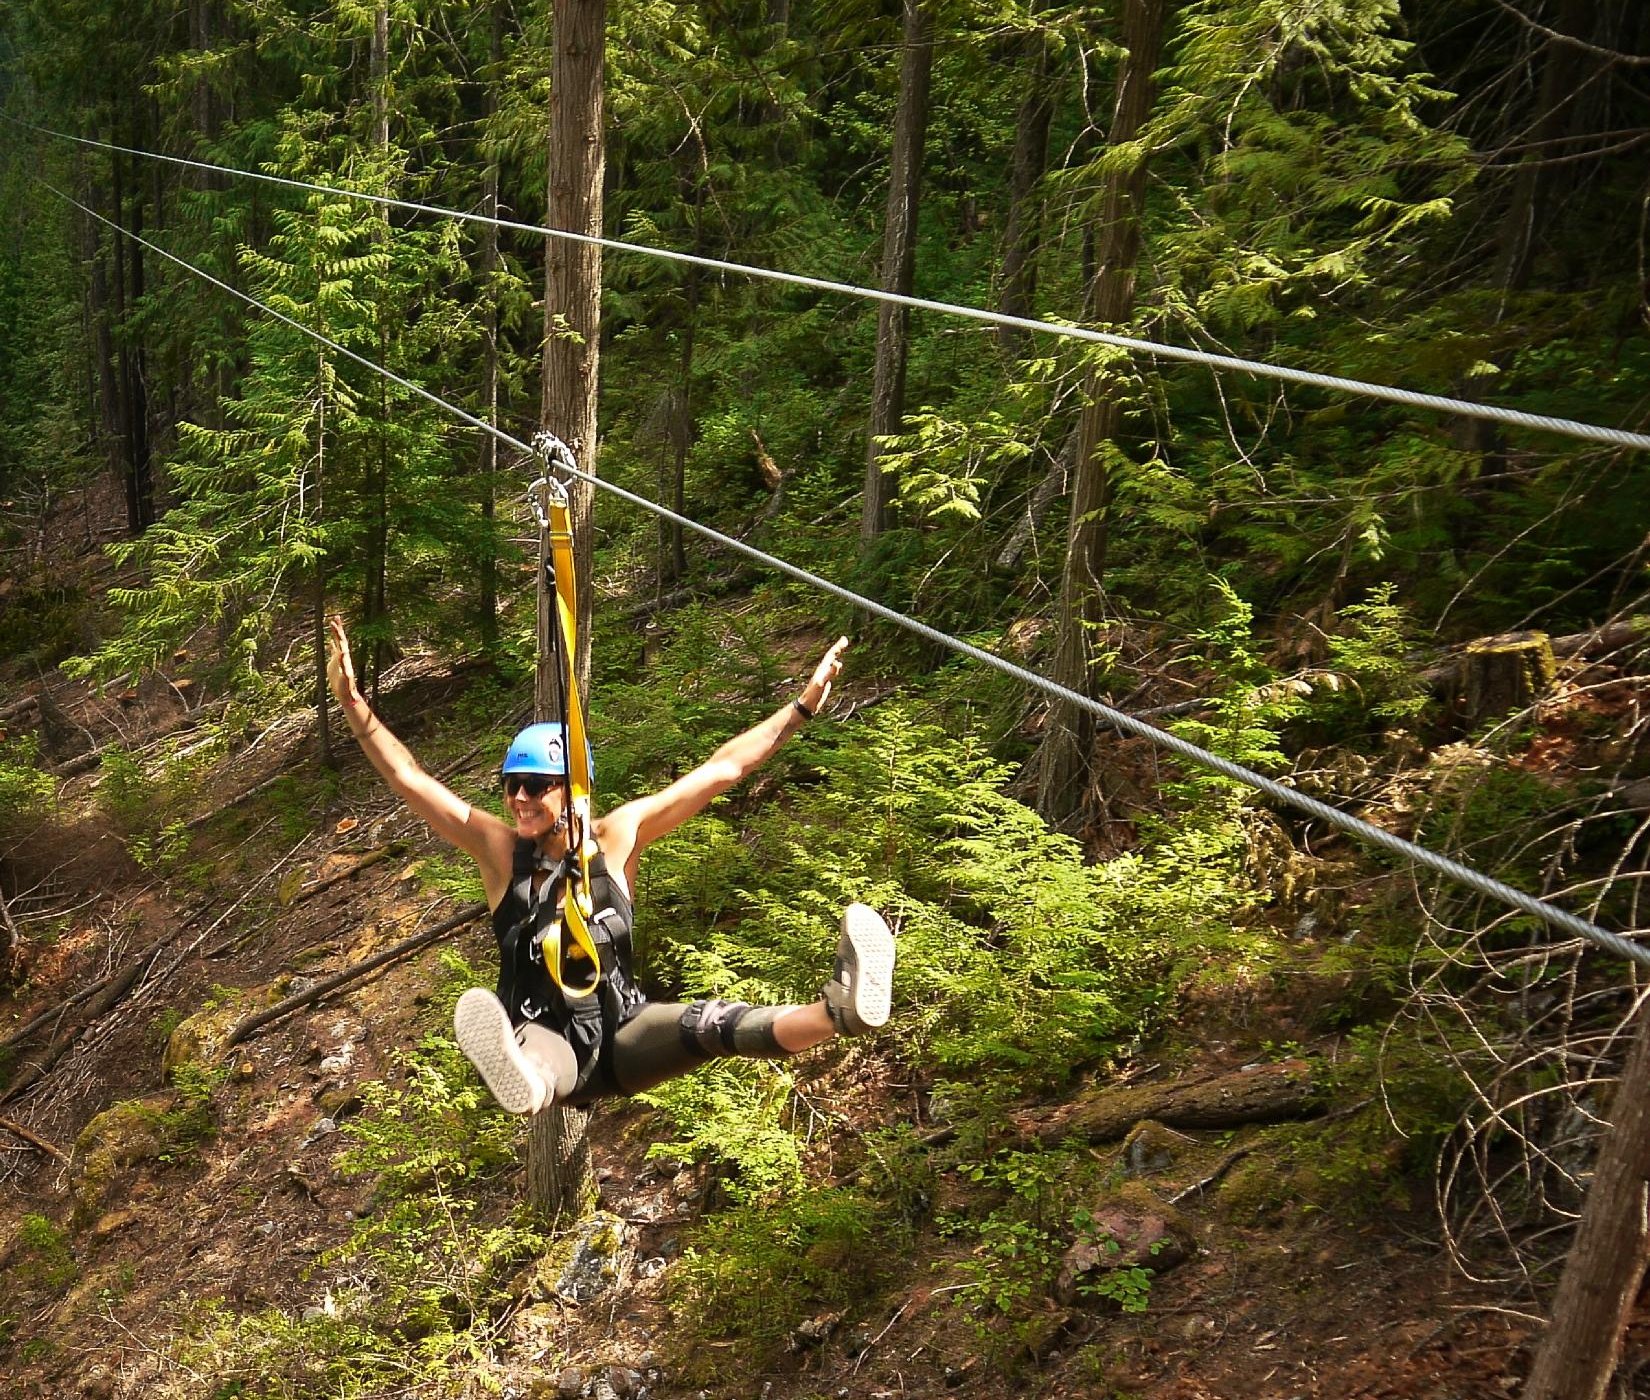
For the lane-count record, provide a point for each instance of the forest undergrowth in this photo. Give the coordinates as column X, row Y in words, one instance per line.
column 1187, row 1096
column 942, row 1185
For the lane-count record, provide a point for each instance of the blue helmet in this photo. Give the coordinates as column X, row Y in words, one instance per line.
column 542, row 748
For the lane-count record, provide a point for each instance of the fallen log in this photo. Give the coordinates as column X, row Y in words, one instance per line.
column 92, row 758
column 1601, row 640
column 18, row 708
column 1256, row 1094
column 58, row 1009
column 355, row 972
column 33, row 1071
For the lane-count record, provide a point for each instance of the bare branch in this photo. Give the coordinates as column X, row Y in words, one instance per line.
column 1633, row 60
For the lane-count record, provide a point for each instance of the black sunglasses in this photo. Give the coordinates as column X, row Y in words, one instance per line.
column 533, row 784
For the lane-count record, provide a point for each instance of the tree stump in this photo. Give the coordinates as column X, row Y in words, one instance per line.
column 1503, row 674
column 1607, row 1260
column 561, row 1184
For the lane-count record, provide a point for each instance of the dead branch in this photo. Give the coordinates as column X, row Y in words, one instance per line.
column 18, row 1130
column 1043, row 495
column 383, row 853
column 353, row 973
column 195, row 823
column 1226, row 1163
column 13, row 938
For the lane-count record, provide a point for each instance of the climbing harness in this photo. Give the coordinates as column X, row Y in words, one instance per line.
column 527, row 926
column 570, row 957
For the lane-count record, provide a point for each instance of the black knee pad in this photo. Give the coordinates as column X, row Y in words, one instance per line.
column 716, row 1028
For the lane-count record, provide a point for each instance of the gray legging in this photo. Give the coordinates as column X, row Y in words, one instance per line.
column 659, row 1041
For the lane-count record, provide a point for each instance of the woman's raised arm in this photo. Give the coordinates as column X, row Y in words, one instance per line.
column 480, row 835
column 629, row 830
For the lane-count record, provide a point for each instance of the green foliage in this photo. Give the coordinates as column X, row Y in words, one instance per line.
column 455, row 877
column 738, row 1115
column 180, row 1131
column 754, row 1273
column 1019, row 1241
column 1371, row 654
column 41, row 624
column 430, row 1262
column 163, row 1024
column 899, row 1172
column 1129, row 1287
column 940, row 464
column 26, row 790
column 439, row 1126
column 714, row 674
column 145, row 795
column 1013, row 952
column 1248, row 708
column 43, row 1259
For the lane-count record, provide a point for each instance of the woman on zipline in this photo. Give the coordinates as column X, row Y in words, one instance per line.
column 583, row 1034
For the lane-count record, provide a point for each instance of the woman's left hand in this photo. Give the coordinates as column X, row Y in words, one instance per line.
column 818, row 689
column 340, row 671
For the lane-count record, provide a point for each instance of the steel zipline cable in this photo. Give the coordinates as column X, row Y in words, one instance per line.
column 1436, row 403
column 1118, row 719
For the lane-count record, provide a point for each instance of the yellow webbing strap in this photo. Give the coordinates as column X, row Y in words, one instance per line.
column 576, row 944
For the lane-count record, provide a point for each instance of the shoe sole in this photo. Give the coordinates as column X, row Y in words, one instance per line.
column 873, row 964
column 489, row 1043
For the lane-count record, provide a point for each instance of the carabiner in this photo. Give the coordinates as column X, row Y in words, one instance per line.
column 548, row 490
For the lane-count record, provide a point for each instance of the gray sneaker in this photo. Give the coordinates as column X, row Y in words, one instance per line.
column 858, row 995
column 489, row 1042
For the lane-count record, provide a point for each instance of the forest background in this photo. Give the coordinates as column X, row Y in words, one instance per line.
column 1447, row 197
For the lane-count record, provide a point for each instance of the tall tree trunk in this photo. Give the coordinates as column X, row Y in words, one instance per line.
column 1063, row 776
column 559, row 1176
column 1021, row 238
column 1559, row 111
column 129, row 416
column 101, row 312
column 323, row 735
column 672, row 545
column 200, row 94
column 375, row 584
column 573, row 271
column 899, row 246
column 138, row 428
column 1607, row 1260
column 487, row 585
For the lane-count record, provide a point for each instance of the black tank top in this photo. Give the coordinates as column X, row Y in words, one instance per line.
column 523, row 919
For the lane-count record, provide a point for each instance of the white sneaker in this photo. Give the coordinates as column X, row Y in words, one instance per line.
column 861, row 989
column 489, row 1042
